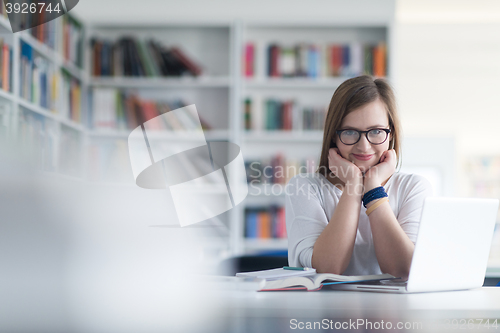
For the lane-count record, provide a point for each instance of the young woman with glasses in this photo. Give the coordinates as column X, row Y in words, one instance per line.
column 356, row 215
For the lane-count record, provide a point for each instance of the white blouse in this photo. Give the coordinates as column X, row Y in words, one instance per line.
column 311, row 200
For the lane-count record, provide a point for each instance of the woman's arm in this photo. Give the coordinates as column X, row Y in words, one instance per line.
column 333, row 249
column 393, row 248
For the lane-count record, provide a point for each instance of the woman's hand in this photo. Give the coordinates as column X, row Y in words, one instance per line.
column 380, row 172
column 345, row 170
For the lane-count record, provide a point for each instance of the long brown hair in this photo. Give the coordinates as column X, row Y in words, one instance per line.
column 350, row 95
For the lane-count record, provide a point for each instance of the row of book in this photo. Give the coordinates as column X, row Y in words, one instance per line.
column 37, row 78
column 265, row 222
column 70, row 103
column 43, row 84
column 135, row 57
column 277, row 169
column 288, row 115
column 316, row 61
column 5, row 66
column 120, row 110
column 72, row 40
column 64, row 34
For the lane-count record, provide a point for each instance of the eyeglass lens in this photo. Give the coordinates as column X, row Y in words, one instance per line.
column 375, row 136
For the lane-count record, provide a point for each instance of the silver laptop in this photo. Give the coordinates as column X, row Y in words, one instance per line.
column 452, row 248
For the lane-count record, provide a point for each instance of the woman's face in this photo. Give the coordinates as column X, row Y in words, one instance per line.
column 363, row 153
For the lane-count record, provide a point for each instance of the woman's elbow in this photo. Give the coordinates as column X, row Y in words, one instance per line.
column 329, row 267
column 399, row 272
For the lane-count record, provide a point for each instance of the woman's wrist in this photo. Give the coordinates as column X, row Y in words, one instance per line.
column 370, row 184
column 354, row 188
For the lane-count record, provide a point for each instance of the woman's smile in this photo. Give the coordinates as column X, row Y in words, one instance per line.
column 363, row 157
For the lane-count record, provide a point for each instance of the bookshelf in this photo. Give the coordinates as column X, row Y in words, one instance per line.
column 207, row 46
column 67, row 142
column 41, row 105
column 300, row 78
column 219, row 93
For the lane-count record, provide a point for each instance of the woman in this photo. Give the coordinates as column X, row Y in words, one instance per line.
column 326, row 212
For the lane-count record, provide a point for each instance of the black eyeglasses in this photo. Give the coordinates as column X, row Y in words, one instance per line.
column 374, row 136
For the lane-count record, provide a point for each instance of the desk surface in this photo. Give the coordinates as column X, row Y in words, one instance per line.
column 273, row 311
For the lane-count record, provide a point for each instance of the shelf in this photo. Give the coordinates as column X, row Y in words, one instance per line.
column 295, row 82
column 266, row 244
column 7, row 95
column 161, row 82
column 284, row 136
column 49, row 114
column 212, row 135
column 72, row 69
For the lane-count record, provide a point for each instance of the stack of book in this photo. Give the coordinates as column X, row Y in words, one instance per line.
column 5, row 66
column 277, row 169
column 119, row 110
column 134, row 57
column 265, row 222
column 316, row 61
column 286, row 115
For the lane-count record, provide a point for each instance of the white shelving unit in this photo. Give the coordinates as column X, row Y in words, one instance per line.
column 62, row 139
column 219, row 94
column 306, row 91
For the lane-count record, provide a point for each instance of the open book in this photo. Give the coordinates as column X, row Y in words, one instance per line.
column 316, row 281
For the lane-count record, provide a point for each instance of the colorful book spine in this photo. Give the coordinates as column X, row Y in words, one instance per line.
column 330, row 60
column 132, row 57
column 113, row 109
column 265, row 223
column 249, row 60
column 6, row 67
column 276, row 169
column 286, row 115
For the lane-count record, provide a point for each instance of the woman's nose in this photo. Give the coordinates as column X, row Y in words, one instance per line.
column 363, row 143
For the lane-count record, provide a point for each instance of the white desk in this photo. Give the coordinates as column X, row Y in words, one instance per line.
column 275, row 311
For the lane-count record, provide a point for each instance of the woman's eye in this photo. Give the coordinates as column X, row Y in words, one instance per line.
column 375, row 132
column 350, row 132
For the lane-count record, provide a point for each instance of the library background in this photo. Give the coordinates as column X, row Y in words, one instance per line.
column 71, row 92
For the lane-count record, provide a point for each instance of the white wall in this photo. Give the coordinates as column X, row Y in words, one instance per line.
column 158, row 11
column 447, row 73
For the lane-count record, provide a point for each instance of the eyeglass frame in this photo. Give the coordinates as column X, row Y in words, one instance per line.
column 386, row 130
